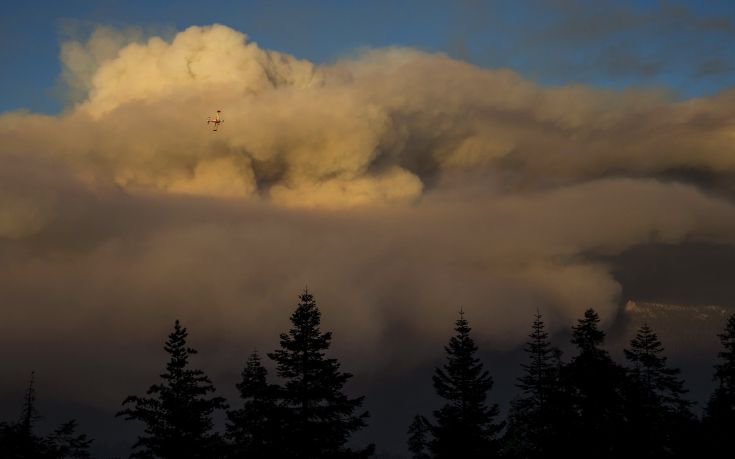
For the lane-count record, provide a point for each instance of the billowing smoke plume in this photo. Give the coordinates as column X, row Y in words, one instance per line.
column 399, row 185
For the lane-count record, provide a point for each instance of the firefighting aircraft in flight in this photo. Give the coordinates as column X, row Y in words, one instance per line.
column 217, row 120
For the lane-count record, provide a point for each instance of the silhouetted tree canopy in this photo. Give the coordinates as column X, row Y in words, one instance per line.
column 29, row 414
column 19, row 440
column 256, row 429
column 588, row 407
column 595, row 384
column 319, row 417
column 177, row 413
column 537, row 418
column 68, row 444
column 465, row 426
column 419, row 432
column 657, row 413
column 719, row 419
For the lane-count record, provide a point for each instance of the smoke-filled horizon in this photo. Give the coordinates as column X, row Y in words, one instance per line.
column 399, row 185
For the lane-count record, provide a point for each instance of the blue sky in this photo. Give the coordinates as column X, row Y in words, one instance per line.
column 686, row 46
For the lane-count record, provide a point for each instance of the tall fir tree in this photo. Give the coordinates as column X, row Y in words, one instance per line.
column 19, row 440
column 658, row 415
column 177, row 413
column 320, row 416
column 537, row 417
column 719, row 418
column 419, row 432
column 465, row 426
column 255, row 430
column 29, row 414
column 595, row 386
column 651, row 370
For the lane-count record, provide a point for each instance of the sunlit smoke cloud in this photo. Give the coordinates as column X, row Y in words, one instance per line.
column 399, row 185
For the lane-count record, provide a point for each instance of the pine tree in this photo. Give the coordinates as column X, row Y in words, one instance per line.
column 540, row 373
column 588, row 337
column 255, row 430
column 18, row 440
column 177, row 413
column 29, row 414
column 661, row 382
column 67, row 443
column 657, row 411
column 418, row 438
column 595, row 385
column 320, row 416
column 719, row 419
column 465, row 425
column 536, row 417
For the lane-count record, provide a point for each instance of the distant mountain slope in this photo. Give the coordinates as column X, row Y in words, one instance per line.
column 687, row 331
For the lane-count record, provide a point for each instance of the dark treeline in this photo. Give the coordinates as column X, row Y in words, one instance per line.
column 586, row 405
column 590, row 406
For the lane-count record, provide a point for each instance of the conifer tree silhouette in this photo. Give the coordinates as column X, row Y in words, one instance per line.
column 320, row 416
column 658, row 415
column 418, row 438
column 719, row 418
column 19, row 440
column 595, row 384
column 29, row 414
column 465, row 426
column 68, row 444
column 255, row 430
column 177, row 413
column 537, row 417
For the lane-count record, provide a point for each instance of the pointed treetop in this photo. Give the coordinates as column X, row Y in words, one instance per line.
column 29, row 414
column 464, row 383
column 253, row 375
column 538, row 315
column 254, row 356
column 586, row 335
column 461, row 325
column 177, row 412
column 651, row 370
column 321, row 416
column 254, row 360
column 306, row 300
column 541, row 370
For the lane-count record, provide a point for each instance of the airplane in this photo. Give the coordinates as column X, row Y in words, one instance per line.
column 216, row 120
